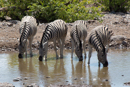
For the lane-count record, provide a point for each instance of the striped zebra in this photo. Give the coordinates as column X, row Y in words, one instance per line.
column 99, row 39
column 78, row 35
column 28, row 28
column 54, row 31
column 81, row 22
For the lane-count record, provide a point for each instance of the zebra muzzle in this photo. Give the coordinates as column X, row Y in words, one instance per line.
column 81, row 58
column 106, row 64
column 20, row 56
column 40, row 58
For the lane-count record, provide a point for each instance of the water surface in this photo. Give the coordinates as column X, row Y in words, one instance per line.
column 66, row 71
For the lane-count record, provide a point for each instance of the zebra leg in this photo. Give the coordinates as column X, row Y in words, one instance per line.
column 30, row 46
column 46, row 52
column 55, row 49
column 84, row 49
column 61, row 47
column 98, row 63
column 89, row 55
column 72, row 48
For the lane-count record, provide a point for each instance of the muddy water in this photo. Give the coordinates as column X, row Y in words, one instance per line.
column 66, row 71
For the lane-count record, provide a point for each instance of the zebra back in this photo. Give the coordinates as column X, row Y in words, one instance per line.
column 29, row 19
column 84, row 22
column 54, row 31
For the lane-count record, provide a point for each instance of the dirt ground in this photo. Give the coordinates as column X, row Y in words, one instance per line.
column 119, row 23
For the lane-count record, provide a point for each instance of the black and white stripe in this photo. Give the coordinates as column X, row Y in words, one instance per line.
column 81, row 22
column 28, row 28
column 54, row 31
column 99, row 39
column 78, row 35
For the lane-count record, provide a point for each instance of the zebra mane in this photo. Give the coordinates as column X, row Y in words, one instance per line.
column 21, row 38
column 42, row 40
column 78, row 37
column 100, row 41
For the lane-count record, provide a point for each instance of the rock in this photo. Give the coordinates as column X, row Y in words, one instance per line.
column 127, row 83
column 106, row 80
column 7, row 18
column 10, row 24
column 6, row 85
column 25, row 78
column 75, row 79
column 124, row 43
column 118, row 38
column 17, row 79
column 48, row 77
column 33, row 85
column 14, row 21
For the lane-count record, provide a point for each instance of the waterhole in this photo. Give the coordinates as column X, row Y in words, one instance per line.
column 66, row 71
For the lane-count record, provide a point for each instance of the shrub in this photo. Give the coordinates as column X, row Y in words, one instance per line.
column 49, row 10
column 114, row 5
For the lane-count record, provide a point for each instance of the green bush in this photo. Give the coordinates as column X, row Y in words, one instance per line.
column 114, row 5
column 15, row 9
column 68, row 10
column 49, row 10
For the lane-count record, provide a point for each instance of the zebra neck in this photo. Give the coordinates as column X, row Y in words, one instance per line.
column 23, row 42
column 44, row 39
column 25, row 31
column 76, row 39
column 96, row 42
column 47, row 35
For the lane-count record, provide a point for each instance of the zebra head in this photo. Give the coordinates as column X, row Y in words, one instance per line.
column 78, row 51
column 42, row 50
column 22, row 48
column 102, row 57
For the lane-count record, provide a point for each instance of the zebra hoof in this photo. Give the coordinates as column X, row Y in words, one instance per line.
column 40, row 58
column 20, row 56
column 80, row 59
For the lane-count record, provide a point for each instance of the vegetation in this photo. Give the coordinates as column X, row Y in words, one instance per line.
column 68, row 10
column 114, row 5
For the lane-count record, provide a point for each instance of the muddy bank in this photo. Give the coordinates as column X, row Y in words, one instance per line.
column 119, row 23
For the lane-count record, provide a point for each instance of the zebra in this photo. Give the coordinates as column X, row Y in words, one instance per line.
column 28, row 29
column 78, row 35
column 54, row 31
column 99, row 38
